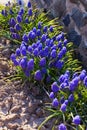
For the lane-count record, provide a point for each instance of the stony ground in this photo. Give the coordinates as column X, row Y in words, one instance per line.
column 20, row 107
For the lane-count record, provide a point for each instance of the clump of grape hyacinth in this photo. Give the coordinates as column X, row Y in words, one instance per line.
column 67, row 94
column 44, row 52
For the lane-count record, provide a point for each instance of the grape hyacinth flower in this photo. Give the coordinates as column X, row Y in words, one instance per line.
column 54, row 87
column 19, row 18
column 30, row 64
column 62, row 127
column 17, row 27
column 18, row 52
column 38, row 75
column 55, row 102
column 13, row 22
column 25, row 38
column 51, row 28
column 30, row 13
column 29, row 4
column 42, row 62
column 76, row 120
column 51, row 95
column 63, row 107
column 26, row 20
column 23, row 51
column 23, row 63
column 71, row 98
column 85, row 81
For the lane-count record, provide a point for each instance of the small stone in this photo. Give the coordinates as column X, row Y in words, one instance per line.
column 12, row 126
column 16, row 109
column 39, row 112
column 2, row 82
column 4, row 66
column 6, row 52
column 12, row 117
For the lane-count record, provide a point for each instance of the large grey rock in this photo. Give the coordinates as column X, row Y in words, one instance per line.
column 79, row 17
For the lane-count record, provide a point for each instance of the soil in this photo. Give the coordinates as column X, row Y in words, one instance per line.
column 21, row 108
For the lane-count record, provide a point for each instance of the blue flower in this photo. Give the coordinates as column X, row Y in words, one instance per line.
column 62, row 100
column 55, row 102
column 35, row 30
column 30, row 49
column 39, row 25
column 21, row 12
column 23, row 51
column 65, row 42
column 71, row 98
column 20, row 2
column 64, row 50
column 45, row 29
column 38, row 75
column 42, row 62
column 23, row 63
column 43, row 38
column 51, row 95
column 85, row 81
column 54, row 87
column 61, row 78
column 59, row 45
column 51, row 28
column 13, row 22
column 58, row 38
column 26, row 20
column 33, row 35
column 19, row 18
column 82, row 75
column 12, row 29
column 13, row 57
column 11, row 11
column 40, row 46
column 62, row 127
column 18, row 27
column 30, row 13
column 53, row 53
column 38, row 32
column 35, row 52
column 30, row 64
column 29, row 4
column 59, row 64
column 76, row 120
column 63, row 107
column 66, row 102
column 18, row 52
column 16, row 63
column 25, row 38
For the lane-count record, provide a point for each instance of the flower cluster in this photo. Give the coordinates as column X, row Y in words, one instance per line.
column 66, row 91
column 44, row 57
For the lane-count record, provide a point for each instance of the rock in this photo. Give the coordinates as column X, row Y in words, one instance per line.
column 58, row 7
column 39, row 112
column 74, row 1
column 6, row 52
column 12, row 126
column 66, row 20
column 2, row 82
column 84, row 2
column 16, row 109
column 77, row 16
column 4, row 67
column 73, row 36
column 12, row 117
